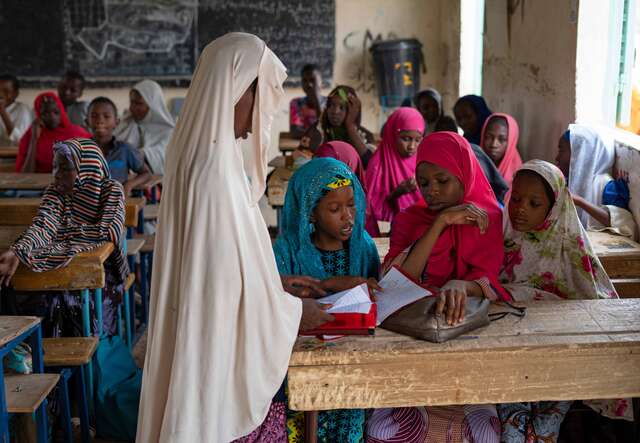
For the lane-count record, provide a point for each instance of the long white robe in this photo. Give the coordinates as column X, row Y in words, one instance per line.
column 221, row 326
column 153, row 132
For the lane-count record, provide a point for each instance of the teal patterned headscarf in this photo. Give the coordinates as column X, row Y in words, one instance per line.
column 294, row 251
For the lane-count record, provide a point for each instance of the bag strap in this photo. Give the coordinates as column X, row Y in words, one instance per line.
column 520, row 312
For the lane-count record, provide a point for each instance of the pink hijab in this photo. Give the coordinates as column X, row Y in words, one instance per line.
column 387, row 169
column 511, row 161
column 461, row 252
column 344, row 152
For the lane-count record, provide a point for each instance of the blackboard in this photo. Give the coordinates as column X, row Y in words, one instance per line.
column 116, row 42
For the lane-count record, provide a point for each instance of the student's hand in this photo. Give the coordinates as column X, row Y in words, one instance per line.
column 127, row 187
column 578, row 201
column 406, row 187
column 313, row 315
column 342, row 283
column 8, row 264
column 452, row 301
column 353, row 110
column 302, row 286
column 465, row 214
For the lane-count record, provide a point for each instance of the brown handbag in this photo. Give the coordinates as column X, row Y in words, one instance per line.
column 419, row 319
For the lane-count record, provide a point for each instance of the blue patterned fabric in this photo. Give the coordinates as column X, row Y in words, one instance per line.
column 295, row 253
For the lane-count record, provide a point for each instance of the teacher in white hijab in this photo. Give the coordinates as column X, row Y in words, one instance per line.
column 222, row 327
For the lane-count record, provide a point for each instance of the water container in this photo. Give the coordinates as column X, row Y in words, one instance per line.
column 397, row 66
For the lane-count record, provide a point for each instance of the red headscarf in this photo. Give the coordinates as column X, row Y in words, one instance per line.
column 344, row 152
column 387, row 169
column 461, row 252
column 44, row 145
column 511, row 161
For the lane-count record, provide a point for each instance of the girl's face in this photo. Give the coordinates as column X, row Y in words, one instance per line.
column 335, row 214
column 407, row 143
column 466, row 117
column 336, row 110
column 50, row 114
column 137, row 106
column 563, row 159
column 529, row 204
column 428, row 107
column 64, row 174
column 439, row 188
column 496, row 139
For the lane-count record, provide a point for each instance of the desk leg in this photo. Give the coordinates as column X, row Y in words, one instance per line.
column 86, row 327
column 4, row 414
column 35, row 341
column 98, row 308
column 311, row 427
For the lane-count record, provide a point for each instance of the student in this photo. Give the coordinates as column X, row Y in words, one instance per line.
column 390, row 176
column 586, row 157
column 309, row 142
column 346, row 154
column 70, row 89
column 323, row 237
column 498, row 185
column 305, row 112
column 15, row 117
column 341, row 121
column 499, row 140
column 120, row 156
column 429, row 103
column 548, row 257
column 82, row 208
column 147, row 125
column 35, row 153
column 471, row 111
column 451, row 239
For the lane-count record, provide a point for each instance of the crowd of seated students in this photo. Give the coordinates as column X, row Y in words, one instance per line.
column 467, row 216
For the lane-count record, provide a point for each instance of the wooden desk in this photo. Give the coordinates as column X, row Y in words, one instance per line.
column 619, row 255
column 25, row 181
column 563, row 350
column 85, row 271
column 21, row 211
column 277, row 186
column 287, row 142
column 8, row 152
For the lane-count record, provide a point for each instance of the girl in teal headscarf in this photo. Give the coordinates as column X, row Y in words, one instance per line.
column 323, row 237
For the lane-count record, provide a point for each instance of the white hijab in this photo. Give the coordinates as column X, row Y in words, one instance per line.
column 221, row 326
column 592, row 154
column 153, row 132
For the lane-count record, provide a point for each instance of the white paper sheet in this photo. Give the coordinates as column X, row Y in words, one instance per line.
column 354, row 300
column 399, row 291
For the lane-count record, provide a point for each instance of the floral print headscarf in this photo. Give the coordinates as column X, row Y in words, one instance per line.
column 555, row 261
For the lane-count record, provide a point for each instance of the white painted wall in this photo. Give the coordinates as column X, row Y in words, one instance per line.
column 530, row 69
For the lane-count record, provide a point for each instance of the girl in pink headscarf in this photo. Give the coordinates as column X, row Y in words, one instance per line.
column 499, row 140
column 390, row 177
column 344, row 152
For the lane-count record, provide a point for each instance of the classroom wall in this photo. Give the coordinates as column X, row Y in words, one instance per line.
column 530, row 69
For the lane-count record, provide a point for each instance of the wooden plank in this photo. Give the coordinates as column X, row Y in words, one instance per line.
column 85, row 271
column 7, row 165
column 134, row 245
column 151, row 212
column 627, row 287
column 149, row 242
column 287, row 142
column 68, row 351
column 26, row 392
column 21, row 211
column 25, row 181
column 619, row 255
column 277, row 186
column 560, row 350
column 9, row 152
column 14, row 326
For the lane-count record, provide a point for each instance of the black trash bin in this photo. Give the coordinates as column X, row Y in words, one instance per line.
column 397, row 65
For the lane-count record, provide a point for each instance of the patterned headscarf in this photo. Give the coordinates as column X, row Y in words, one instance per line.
column 67, row 225
column 556, row 260
column 295, row 253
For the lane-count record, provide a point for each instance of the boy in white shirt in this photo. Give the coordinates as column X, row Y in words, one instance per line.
column 15, row 117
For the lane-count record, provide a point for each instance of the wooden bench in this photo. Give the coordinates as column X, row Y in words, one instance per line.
column 151, row 212
column 277, row 186
column 21, row 211
column 10, row 152
column 134, row 245
column 620, row 258
column 287, row 142
column 68, row 351
column 25, row 393
column 149, row 242
column 534, row 358
column 25, row 181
